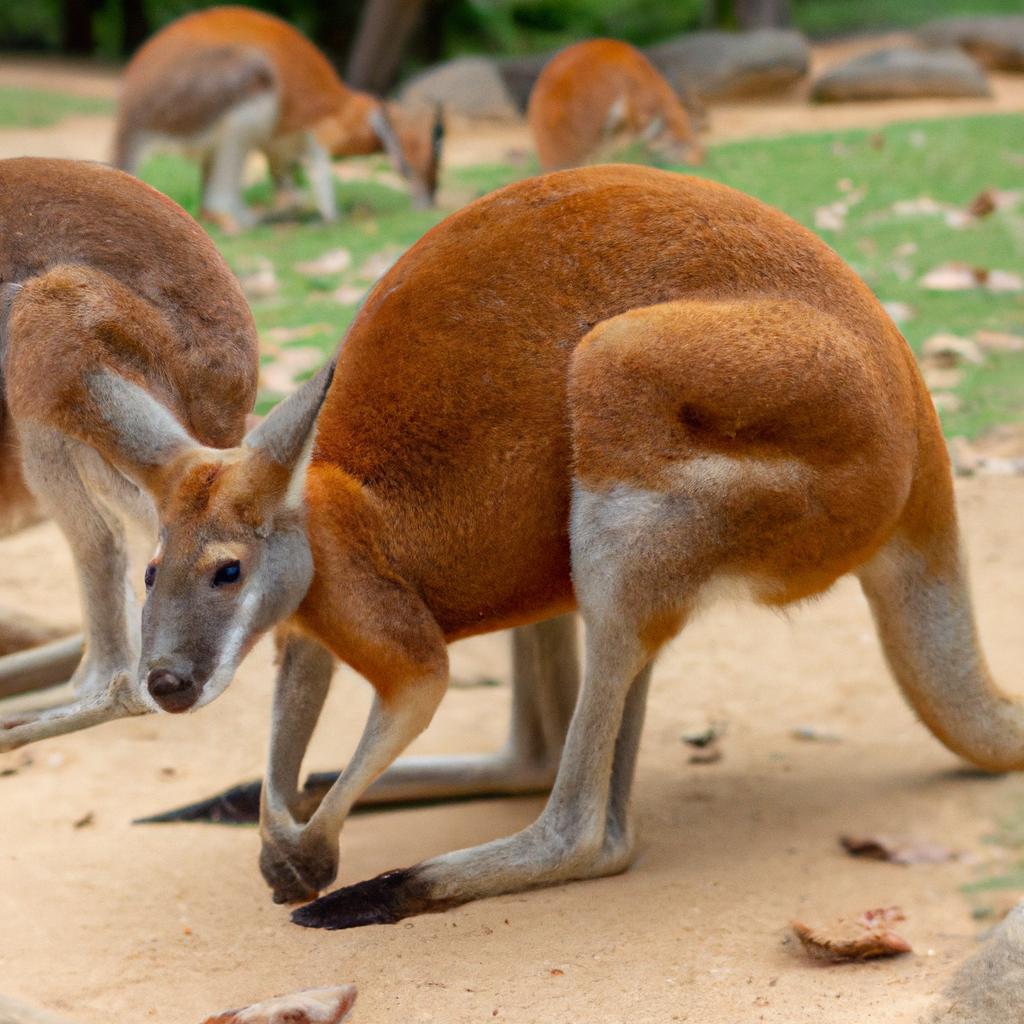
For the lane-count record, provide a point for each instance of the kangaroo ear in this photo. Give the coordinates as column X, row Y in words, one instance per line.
column 383, row 128
column 135, row 432
column 287, row 433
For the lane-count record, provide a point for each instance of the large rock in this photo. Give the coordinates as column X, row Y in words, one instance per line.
column 903, row 74
column 726, row 65
column 995, row 42
column 468, row 86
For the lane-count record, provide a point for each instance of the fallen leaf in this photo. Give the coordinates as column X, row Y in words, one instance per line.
column 899, row 312
column 279, row 375
column 941, row 378
column 85, row 820
column 259, row 282
column 335, row 261
column 348, row 295
column 1004, row 281
column 952, row 277
column 983, row 203
column 312, row 1006
column 869, row 935
column 946, row 401
column 998, row 341
column 379, row 264
column 951, row 350
column 900, row 851
column 282, row 335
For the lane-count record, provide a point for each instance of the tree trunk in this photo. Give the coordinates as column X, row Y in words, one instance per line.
column 762, row 13
column 134, row 25
column 76, row 35
column 384, row 31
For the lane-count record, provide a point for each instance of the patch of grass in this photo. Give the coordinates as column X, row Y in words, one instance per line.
column 833, row 17
column 947, row 161
column 39, row 108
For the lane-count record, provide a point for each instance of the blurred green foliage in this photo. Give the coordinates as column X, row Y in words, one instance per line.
column 452, row 27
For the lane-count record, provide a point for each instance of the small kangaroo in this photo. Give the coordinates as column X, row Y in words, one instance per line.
column 225, row 81
column 102, row 278
column 610, row 389
column 602, row 93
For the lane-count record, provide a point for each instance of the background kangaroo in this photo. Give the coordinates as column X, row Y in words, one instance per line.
column 229, row 80
column 602, row 93
column 642, row 389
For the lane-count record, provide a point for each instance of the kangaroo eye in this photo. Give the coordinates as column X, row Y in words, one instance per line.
column 150, row 575
column 230, row 573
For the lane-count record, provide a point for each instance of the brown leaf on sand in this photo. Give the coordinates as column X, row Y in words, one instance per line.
column 334, row 261
column 999, row 341
column 959, row 277
column 281, row 373
column 983, row 203
column 900, row 851
column 312, row 1006
column 869, row 935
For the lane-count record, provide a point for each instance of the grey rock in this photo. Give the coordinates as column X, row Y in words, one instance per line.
column 900, row 73
column 987, row 989
column 726, row 65
column 468, row 86
column 995, row 42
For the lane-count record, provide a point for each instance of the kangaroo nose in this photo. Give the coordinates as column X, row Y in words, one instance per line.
column 171, row 692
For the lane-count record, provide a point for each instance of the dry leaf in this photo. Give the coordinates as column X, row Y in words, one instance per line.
column 87, row 819
column 282, row 335
column 260, row 282
column 869, row 935
column 951, row 350
column 379, row 264
column 998, row 341
column 335, row 261
column 953, row 277
column 941, row 378
column 946, row 401
column 312, row 1006
column 899, row 312
column 348, row 295
column 279, row 375
column 900, row 851
column 983, row 203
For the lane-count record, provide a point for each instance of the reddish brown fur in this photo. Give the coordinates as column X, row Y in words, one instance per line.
column 439, row 489
column 575, row 95
column 114, row 275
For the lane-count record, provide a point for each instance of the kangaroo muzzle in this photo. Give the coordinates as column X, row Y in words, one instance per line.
column 172, row 692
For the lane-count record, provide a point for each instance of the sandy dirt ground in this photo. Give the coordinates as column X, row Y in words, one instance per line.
column 114, row 922
column 105, row 921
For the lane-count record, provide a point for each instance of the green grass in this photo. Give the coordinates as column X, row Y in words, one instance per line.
column 948, row 161
column 38, row 108
column 833, row 17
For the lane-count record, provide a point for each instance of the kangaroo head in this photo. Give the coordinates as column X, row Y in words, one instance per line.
column 413, row 141
column 233, row 557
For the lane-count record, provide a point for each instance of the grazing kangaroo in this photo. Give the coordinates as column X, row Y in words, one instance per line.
column 611, row 390
column 104, row 284
column 603, row 93
column 226, row 81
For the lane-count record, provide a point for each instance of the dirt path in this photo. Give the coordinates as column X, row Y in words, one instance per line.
column 114, row 922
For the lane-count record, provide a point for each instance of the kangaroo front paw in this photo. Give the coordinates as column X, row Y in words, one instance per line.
column 300, row 873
